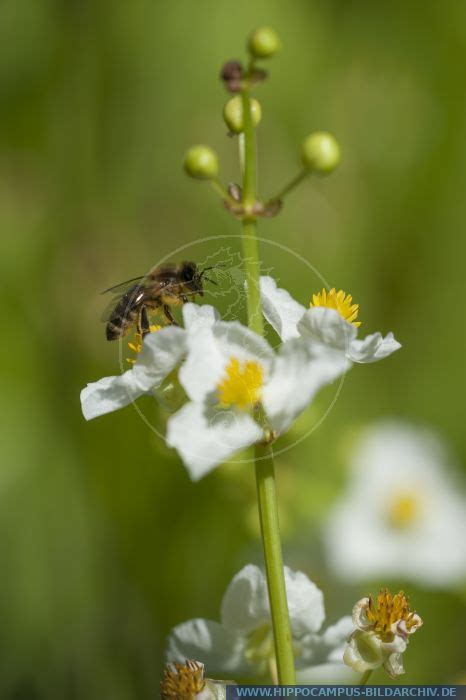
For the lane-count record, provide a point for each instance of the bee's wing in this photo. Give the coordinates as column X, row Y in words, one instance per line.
column 126, row 294
column 132, row 295
column 123, row 287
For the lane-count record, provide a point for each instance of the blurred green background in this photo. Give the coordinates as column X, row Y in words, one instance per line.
column 104, row 542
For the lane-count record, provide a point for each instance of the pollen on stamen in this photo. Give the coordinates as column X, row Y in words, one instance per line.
column 137, row 345
column 242, row 384
column 340, row 301
column 389, row 609
column 182, row 681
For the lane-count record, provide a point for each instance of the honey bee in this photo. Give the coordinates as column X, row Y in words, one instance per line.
column 164, row 286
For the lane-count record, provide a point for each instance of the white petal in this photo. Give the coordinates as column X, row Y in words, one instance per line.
column 210, row 350
column 280, row 309
column 195, row 316
column 359, row 614
column 394, row 665
column 245, row 605
column 297, row 376
column 415, row 623
column 221, row 651
column 396, row 646
column 323, row 326
column 204, row 366
column 374, row 347
column 214, row 690
column 236, row 340
column 161, row 352
column 335, row 635
column 324, row 674
column 204, row 437
column 363, row 652
column 305, row 603
column 315, row 649
column 109, row 394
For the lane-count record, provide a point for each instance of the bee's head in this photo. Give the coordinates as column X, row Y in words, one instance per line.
column 191, row 277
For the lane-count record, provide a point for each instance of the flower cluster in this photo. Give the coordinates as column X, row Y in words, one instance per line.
column 242, row 643
column 240, row 391
column 237, row 390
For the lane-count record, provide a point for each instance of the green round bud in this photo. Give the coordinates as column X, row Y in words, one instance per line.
column 321, row 152
column 264, row 42
column 233, row 114
column 201, row 162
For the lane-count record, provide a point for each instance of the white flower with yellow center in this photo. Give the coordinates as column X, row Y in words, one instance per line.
column 242, row 643
column 382, row 633
column 185, row 681
column 329, row 325
column 403, row 514
column 241, row 392
column 161, row 352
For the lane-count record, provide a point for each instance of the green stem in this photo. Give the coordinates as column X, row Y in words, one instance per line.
column 249, row 175
column 252, row 270
column 365, row 677
column 264, row 466
column 222, row 191
column 268, row 515
column 290, row 186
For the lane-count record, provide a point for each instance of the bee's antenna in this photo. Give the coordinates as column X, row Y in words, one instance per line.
column 211, row 281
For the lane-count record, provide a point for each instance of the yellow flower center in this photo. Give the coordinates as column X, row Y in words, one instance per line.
column 182, row 681
column 241, row 386
column 341, row 302
column 136, row 346
column 403, row 510
column 389, row 609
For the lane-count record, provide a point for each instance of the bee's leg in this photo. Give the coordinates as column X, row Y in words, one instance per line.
column 168, row 315
column 143, row 322
column 184, row 299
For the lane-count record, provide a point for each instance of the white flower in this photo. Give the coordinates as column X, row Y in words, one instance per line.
column 329, row 326
column 228, row 371
column 242, row 643
column 185, row 681
column 403, row 515
column 382, row 633
column 161, row 352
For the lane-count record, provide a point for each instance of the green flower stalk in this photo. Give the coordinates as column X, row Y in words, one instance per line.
column 320, row 155
column 264, row 463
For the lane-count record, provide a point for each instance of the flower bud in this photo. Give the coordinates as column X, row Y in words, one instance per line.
column 201, row 162
column 321, row 152
column 264, row 42
column 233, row 114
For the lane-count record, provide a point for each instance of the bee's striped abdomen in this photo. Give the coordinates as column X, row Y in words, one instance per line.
column 124, row 315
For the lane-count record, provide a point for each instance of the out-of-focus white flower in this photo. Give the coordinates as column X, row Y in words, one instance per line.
column 161, row 352
column 242, row 644
column 185, row 681
column 329, row 326
column 382, row 633
column 229, row 370
column 402, row 515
